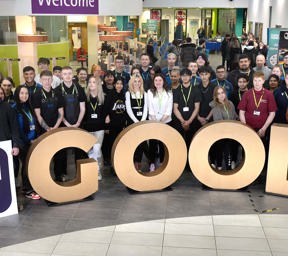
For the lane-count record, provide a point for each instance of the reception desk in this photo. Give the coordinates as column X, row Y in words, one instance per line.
column 213, row 46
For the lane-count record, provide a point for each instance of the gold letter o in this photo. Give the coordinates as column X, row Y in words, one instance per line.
column 126, row 144
column 238, row 178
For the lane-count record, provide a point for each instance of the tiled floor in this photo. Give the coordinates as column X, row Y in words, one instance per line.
column 222, row 235
column 183, row 221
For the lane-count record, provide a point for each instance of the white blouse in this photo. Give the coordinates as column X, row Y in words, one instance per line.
column 160, row 105
column 129, row 107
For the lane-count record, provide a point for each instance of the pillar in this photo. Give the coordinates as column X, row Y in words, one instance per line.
column 27, row 52
column 93, row 40
column 214, row 21
column 239, row 22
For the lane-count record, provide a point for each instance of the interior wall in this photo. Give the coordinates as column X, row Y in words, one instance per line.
column 258, row 11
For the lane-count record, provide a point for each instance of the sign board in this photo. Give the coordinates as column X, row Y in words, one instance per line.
column 283, row 45
column 152, row 25
column 8, row 200
column 273, row 45
column 65, row 6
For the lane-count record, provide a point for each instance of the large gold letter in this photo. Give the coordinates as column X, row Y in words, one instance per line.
column 40, row 155
column 238, row 178
column 126, row 144
column 278, row 160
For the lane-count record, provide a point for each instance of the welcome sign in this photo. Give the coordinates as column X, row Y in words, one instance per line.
column 65, row 7
column 8, row 201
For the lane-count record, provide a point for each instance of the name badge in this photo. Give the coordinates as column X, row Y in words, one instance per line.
column 94, row 116
column 139, row 113
column 32, row 127
column 256, row 113
column 185, row 109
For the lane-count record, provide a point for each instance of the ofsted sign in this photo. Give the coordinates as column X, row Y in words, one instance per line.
column 65, row 6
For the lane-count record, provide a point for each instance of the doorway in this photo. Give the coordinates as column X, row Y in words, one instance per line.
column 77, row 33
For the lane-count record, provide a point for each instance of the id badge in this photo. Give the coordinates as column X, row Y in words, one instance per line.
column 32, row 127
column 256, row 113
column 185, row 109
column 139, row 113
column 94, row 116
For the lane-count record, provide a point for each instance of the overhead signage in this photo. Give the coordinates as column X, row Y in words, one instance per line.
column 65, row 6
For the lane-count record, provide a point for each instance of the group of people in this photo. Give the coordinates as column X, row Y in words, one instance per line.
column 105, row 103
column 232, row 47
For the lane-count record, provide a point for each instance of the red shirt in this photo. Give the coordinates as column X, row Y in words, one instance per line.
column 256, row 117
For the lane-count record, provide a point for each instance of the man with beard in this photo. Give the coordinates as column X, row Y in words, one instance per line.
column 244, row 68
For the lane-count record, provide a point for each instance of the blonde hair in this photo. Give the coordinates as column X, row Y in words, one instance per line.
column 100, row 93
column 131, row 84
column 215, row 97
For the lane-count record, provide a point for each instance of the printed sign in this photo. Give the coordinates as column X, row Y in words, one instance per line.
column 283, row 45
column 8, row 201
column 273, row 45
column 65, row 6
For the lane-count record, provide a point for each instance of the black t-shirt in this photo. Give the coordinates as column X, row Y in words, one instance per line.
column 236, row 97
column 72, row 96
column 207, row 97
column 49, row 103
column 191, row 94
column 116, row 109
column 94, row 119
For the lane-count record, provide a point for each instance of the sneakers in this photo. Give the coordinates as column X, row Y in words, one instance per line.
column 32, row 195
column 152, row 167
column 99, row 175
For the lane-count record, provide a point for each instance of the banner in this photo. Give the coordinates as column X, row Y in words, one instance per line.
column 273, row 46
column 8, row 200
column 65, row 6
column 283, row 45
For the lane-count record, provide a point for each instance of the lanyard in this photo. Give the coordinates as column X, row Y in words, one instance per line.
column 160, row 97
column 94, row 107
column 226, row 110
column 73, row 92
column 138, row 101
column 145, row 75
column 29, row 115
column 286, row 95
column 257, row 104
column 44, row 94
column 195, row 80
column 239, row 94
column 186, row 99
column 219, row 84
column 283, row 71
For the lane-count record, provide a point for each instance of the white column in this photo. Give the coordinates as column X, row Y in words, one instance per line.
column 258, row 11
column 93, row 40
column 279, row 13
column 27, row 52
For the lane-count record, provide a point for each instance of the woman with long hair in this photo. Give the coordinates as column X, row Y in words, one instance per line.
column 94, row 120
column 8, row 85
column 115, row 112
column 137, row 109
column 28, row 133
column 160, row 100
column 223, row 109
